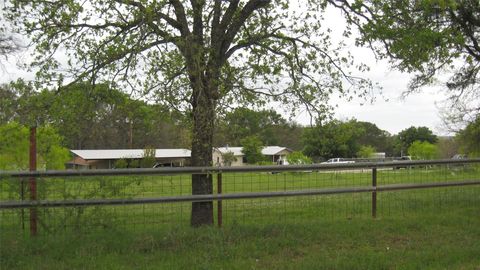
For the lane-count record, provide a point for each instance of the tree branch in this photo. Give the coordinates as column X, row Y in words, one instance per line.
column 239, row 20
column 181, row 17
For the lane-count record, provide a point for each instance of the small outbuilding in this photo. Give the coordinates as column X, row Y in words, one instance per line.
column 106, row 158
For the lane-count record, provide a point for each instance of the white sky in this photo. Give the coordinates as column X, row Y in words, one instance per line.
column 392, row 114
column 389, row 112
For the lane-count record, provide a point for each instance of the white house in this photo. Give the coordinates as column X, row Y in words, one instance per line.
column 275, row 154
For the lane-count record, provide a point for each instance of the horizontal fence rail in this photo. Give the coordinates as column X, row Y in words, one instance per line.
column 239, row 169
column 234, row 196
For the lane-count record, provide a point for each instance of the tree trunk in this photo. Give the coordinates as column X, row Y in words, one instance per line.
column 202, row 143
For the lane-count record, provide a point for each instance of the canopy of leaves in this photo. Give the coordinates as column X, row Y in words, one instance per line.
column 469, row 139
column 228, row 158
column 297, row 157
column 333, row 139
column 248, row 51
column 423, row 150
column 9, row 41
column 90, row 117
column 14, row 148
column 252, row 149
column 148, row 160
column 375, row 137
column 366, row 151
column 268, row 125
column 406, row 137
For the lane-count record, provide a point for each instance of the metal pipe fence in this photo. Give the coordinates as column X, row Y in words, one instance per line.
column 254, row 194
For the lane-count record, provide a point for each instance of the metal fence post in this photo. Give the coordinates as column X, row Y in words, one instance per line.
column 32, row 182
column 374, row 192
column 219, row 202
column 22, row 197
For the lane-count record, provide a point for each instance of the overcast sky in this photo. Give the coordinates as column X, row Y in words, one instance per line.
column 388, row 112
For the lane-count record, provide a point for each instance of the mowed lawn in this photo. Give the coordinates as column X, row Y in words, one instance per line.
column 415, row 229
column 447, row 239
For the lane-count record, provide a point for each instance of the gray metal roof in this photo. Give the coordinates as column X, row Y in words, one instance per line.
column 130, row 153
column 274, row 150
column 237, row 151
column 267, row 150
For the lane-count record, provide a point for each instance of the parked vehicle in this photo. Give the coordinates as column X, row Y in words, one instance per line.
column 282, row 162
column 404, row 158
column 338, row 161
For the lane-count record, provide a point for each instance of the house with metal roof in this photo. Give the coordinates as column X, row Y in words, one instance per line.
column 275, row 154
column 106, row 158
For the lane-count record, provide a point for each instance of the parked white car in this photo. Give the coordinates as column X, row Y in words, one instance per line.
column 338, row 161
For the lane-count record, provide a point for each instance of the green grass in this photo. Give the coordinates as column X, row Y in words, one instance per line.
column 425, row 240
column 415, row 229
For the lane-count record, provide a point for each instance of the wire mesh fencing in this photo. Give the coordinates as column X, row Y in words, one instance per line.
column 79, row 202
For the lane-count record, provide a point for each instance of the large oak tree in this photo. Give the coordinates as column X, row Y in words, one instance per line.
column 198, row 56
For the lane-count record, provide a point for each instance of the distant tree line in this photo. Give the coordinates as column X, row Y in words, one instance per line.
column 85, row 116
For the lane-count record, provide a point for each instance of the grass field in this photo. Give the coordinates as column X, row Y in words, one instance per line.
column 447, row 239
column 415, row 229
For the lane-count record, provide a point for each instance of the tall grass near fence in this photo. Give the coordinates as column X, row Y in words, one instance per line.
column 414, row 229
column 446, row 237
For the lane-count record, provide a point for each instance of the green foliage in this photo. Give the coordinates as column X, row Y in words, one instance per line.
column 373, row 136
column 298, row 157
column 406, row 137
column 265, row 163
column 423, row 150
column 366, row 151
column 14, row 148
column 243, row 122
column 228, row 158
column 51, row 154
column 148, row 159
column 198, row 56
column 333, row 139
column 234, row 50
column 93, row 117
column 120, row 163
column 134, row 163
column 252, row 149
column 469, row 138
column 8, row 103
column 268, row 125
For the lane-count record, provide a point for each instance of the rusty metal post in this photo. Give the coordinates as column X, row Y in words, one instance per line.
column 219, row 202
column 374, row 192
column 32, row 182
